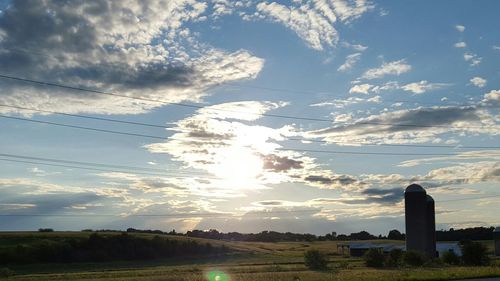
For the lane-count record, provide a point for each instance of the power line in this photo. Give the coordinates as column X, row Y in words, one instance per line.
column 285, row 149
column 287, row 138
column 464, row 199
column 274, row 89
column 44, row 83
column 84, row 128
column 178, row 215
column 205, row 214
column 112, row 166
column 104, row 170
column 100, row 167
column 88, row 117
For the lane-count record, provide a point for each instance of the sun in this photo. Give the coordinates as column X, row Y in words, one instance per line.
column 237, row 165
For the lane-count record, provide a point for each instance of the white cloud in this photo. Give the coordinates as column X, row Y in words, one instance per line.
column 496, row 48
column 460, row 45
column 422, row 87
column 391, row 68
column 356, row 47
column 472, row 58
column 360, row 89
column 478, row 82
column 492, row 98
column 460, row 28
column 313, row 21
column 350, row 61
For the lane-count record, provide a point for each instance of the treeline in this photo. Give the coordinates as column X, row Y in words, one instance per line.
column 100, row 248
column 476, row 233
column 264, row 236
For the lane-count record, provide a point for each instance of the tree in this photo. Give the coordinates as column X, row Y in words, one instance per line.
column 315, row 260
column 450, row 258
column 475, row 253
column 395, row 258
column 414, row 258
column 374, row 258
column 395, row 235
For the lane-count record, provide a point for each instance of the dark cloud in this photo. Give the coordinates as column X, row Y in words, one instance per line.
column 383, row 196
column 270, row 203
column 134, row 48
column 343, row 180
column 280, row 164
column 391, row 122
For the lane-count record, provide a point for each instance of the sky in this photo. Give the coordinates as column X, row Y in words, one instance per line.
column 307, row 116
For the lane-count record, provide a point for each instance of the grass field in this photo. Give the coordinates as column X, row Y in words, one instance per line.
column 248, row 261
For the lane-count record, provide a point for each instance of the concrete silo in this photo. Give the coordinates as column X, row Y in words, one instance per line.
column 431, row 227
column 496, row 237
column 420, row 221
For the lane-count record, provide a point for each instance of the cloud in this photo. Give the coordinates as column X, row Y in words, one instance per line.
column 472, row 58
column 411, row 126
column 492, row 98
column 496, row 48
column 415, row 87
column 391, row 68
column 356, row 47
column 422, row 87
column 342, row 103
column 349, row 63
column 112, row 46
column 478, row 82
column 460, row 45
column 360, row 89
column 314, row 21
column 460, row 28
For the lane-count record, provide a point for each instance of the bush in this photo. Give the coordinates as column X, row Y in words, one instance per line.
column 315, row 260
column 374, row 258
column 474, row 253
column 414, row 258
column 45, row 230
column 450, row 258
column 395, row 258
column 5, row 272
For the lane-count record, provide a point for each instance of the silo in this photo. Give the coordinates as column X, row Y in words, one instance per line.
column 416, row 219
column 496, row 237
column 431, row 227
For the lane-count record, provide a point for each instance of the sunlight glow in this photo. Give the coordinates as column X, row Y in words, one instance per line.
column 237, row 165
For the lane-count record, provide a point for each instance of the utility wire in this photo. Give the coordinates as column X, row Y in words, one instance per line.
column 273, row 89
column 106, row 170
column 285, row 149
column 100, row 166
column 206, row 214
column 87, row 117
column 287, row 138
column 44, row 83
column 94, row 164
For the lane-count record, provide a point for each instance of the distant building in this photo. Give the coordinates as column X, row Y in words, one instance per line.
column 420, row 221
column 496, row 237
column 358, row 249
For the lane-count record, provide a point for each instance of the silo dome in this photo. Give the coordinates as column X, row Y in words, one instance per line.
column 414, row 188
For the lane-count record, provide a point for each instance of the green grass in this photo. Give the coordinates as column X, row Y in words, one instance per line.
column 250, row 261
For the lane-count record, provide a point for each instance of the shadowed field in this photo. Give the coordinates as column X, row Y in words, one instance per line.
column 244, row 261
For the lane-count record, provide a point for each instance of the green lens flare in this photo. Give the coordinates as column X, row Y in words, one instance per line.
column 217, row 276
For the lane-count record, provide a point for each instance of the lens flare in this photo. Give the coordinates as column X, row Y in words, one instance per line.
column 217, row 276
